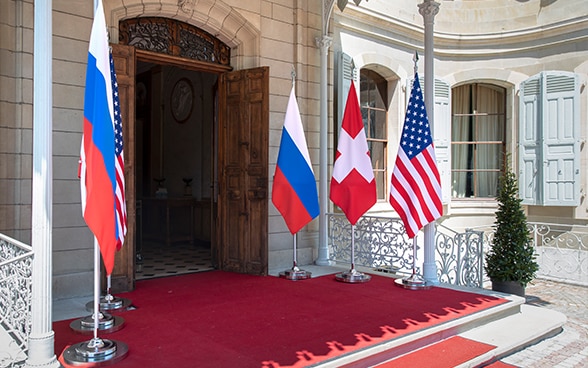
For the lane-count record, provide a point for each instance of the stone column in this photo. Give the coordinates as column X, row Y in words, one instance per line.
column 323, row 251
column 428, row 9
column 324, row 42
column 41, row 340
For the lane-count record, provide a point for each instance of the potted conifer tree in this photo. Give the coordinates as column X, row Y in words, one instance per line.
column 510, row 263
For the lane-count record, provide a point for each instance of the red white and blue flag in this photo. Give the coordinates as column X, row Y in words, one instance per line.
column 119, row 164
column 294, row 190
column 101, row 172
column 415, row 192
column 353, row 187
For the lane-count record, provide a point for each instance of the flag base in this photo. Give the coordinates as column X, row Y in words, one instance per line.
column 352, row 276
column 414, row 282
column 109, row 303
column 106, row 323
column 95, row 352
column 295, row 274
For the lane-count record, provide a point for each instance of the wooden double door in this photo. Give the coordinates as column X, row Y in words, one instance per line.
column 240, row 154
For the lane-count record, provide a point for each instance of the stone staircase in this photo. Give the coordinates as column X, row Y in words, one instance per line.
column 509, row 327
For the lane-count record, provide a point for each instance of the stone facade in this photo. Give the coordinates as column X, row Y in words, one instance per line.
column 498, row 41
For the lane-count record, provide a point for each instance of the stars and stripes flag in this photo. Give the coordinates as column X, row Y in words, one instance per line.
column 98, row 158
column 294, row 190
column 353, row 187
column 119, row 164
column 415, row 192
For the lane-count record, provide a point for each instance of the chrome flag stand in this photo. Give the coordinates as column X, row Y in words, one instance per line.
column 295, row 273
column 109, row 302
column 414, row 281
column 352, row 276
column 96, row 351
column 106, row 322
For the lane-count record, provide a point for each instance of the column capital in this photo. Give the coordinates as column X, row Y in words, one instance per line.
column 324, row 42
column 428, row 9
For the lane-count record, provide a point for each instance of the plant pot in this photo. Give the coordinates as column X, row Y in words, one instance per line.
column 509, row 287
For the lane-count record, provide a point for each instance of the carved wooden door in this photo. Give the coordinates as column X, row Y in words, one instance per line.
column 123, row 274
column 242, row 233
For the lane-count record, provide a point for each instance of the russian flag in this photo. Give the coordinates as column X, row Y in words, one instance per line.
column 294, row 191
column 97, row 156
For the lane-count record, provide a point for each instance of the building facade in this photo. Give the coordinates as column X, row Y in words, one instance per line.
column 203, row 127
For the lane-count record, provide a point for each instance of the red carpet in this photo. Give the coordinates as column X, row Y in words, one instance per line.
column 220, row 319
column 445, row 354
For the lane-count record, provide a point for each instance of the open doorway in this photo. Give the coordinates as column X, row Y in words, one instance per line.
column 175, row 119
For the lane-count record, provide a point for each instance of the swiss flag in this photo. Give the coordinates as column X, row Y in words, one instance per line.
column 353, row 187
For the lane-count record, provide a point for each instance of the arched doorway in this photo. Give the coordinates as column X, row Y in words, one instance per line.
column 196, row 153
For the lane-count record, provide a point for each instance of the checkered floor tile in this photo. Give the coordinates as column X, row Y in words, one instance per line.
column 159, row 260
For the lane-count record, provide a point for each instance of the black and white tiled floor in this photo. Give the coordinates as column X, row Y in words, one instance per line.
column 159, row 260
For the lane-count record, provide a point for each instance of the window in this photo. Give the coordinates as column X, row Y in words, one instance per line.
column 374, row 112
column 477, row 140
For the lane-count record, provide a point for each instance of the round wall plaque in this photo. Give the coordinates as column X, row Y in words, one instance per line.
column 182, row 98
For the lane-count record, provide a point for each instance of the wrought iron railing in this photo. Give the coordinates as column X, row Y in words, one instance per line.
column 459, row 257
column 16, row 260
column 381, row 243
column 561, row 250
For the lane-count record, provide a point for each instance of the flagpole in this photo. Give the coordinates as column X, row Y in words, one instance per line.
column 96, row 350
column 295, row 273
column 97, row 320
column 352, row 276
column 428, row 9
column 414, row 281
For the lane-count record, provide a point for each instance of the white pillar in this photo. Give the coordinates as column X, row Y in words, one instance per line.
column 324, row 42
column 428, row 9
column 41, row 340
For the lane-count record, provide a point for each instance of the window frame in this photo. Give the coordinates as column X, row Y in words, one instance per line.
column 475, row 142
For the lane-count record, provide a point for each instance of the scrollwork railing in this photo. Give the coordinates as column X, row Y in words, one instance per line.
column 16, row 261
column 460, row 257
column 561, row 250
column 381, row 243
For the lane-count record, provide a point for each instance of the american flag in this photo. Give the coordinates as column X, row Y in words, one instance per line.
column 415, row 192
column 121, row 207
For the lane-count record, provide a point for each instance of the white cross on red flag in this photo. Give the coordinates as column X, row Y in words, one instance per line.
column 415, row 192
column 353, row 187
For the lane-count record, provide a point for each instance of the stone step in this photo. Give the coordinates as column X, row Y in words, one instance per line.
column 509, row 327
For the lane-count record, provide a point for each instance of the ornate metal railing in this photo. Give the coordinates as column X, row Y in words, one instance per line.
column 16, row 260
column 381, row 243
column 459, row 257
column 561, row 250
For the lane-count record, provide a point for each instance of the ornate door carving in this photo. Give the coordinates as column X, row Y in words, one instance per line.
column 243, row 164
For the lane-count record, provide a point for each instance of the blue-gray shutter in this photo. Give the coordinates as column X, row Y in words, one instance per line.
column 549, row 146
column 529, row 139
column 345, row 74
column 441, row 131
column 561, row 146
column 442, row 136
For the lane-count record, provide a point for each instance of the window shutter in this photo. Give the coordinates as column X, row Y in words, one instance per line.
column 561, row 147
column 529, row 148
column 442, row 136
column 441, row 131
column 345, row 75
column 549, row 146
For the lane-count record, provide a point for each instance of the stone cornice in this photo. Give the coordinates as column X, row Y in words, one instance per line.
column 395, row 31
